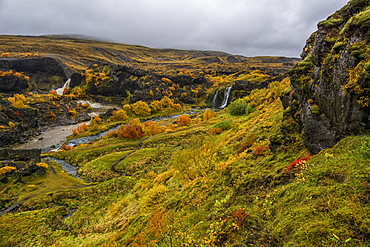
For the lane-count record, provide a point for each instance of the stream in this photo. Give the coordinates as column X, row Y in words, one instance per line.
column 52, row 139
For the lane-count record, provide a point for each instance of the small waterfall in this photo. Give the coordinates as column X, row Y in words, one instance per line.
column 214, row 100
column 66, row 85
column 226, row 97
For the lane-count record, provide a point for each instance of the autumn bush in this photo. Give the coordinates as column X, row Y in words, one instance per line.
column 165, row 104
column 208, row 114
column 11, row 125
column 141, row 108
column 95, row 124
column 215, row 131
column 98, row 75
column 130, row 132
column 184, row 120
column 7, row 169
column 81, row 128
column 152, row 128
column 18, row 101
column 13, row 73
column 119, row 115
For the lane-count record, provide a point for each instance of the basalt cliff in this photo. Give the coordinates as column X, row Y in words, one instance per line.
column 330, row 96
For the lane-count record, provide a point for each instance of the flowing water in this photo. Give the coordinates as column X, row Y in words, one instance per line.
column 214, row 100
column 226, row 97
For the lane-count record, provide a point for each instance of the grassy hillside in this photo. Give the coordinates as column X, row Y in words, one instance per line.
column 240, row 176
column 81, row 53
column 213, row 182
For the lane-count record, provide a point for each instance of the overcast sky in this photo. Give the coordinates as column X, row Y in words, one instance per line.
column 244, row 27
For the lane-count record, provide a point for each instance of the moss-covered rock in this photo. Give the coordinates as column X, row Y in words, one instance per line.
column 333, row 74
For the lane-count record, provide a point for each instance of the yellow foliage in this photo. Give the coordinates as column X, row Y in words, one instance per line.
column 151, row 128
column 156, row 106
column 18, row 101
column 154, row 196
column 94, row 123
column 6, row 169
column 141, row 108
column 127, row 108
column 42, row 164
column 11, row 125
column 208, row 114
column 119, row 115
column 166, row 80
column 164, row 176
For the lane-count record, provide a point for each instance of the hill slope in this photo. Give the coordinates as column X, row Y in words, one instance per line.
column 242, row 176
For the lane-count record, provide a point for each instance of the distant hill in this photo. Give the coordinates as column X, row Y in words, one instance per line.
column 81, row 53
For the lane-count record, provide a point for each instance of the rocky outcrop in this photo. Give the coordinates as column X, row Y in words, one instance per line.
column 330, row 90
column 20, row 155
column 24, row 121
column 13, row 84
column 137, row 84
column 19, row 124
column 46, row 72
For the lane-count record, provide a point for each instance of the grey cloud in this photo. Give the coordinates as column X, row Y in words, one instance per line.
column 247, row 27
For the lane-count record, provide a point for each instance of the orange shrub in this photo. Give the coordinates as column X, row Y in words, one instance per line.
column 65, row 147
column 131, row 132
column 184, row 120
column 208, row 114
column 81, row 128
column 215, row 131
column 151, row 128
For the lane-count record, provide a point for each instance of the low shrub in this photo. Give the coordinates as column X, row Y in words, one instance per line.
column 224, row 125
column 237, row 107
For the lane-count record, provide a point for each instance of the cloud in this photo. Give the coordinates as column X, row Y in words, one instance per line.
column 247, row 27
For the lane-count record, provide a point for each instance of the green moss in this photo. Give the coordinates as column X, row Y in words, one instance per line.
column 362, row 20
column 304, row 67
column 331, row 22
column 338, row 46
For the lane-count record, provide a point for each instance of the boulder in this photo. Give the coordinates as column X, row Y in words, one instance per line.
column 13, row 84
column 20, row 154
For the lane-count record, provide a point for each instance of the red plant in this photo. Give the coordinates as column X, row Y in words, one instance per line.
column 239, row 216
column 17, row 113
column 260, row 151
column 296, row 164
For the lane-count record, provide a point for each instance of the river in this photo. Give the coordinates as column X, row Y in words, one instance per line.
column 52, row 138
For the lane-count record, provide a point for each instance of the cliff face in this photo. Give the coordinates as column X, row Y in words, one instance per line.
column 330, row 95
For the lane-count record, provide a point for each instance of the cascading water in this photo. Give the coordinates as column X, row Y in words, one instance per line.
column 226, row 97
column 214, row 100
column 66, row 85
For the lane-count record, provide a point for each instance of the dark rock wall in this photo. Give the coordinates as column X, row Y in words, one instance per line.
column 330, row 85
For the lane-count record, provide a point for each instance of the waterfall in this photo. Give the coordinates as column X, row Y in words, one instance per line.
column 215, row 98
column 226, row 97
column 66, row 85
